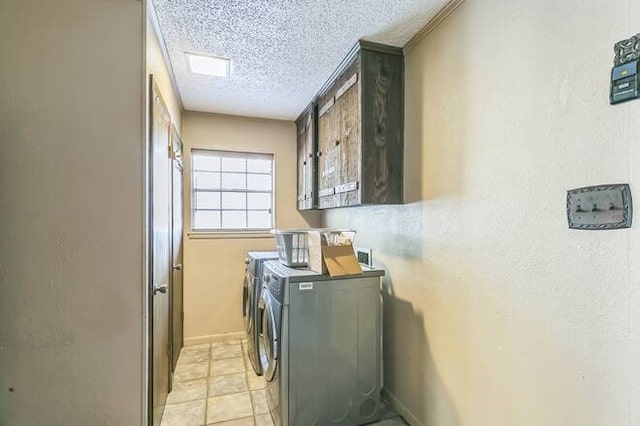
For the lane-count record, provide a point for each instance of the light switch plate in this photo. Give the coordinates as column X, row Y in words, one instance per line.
column 600, row 207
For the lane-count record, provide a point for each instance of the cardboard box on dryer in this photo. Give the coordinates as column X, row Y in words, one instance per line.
column 328, row 254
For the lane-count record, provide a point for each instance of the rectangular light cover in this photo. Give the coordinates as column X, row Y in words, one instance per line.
column 208, row 65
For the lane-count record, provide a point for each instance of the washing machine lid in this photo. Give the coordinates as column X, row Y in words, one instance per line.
column 283, row 271
column 255, row 259
column 264, row 255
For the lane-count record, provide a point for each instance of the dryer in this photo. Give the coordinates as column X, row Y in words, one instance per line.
column 251, row 290
column 321, row 346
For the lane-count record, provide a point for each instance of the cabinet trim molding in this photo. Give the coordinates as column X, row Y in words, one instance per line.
column 346, row 86
column 327, row 106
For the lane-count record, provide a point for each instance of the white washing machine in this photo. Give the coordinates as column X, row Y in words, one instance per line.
column 321, row 346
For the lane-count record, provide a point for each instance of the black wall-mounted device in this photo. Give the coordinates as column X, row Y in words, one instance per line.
column 625, row 77
column 624, row 82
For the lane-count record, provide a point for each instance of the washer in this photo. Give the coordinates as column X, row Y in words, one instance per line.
column 251, row 290
column 321, row 346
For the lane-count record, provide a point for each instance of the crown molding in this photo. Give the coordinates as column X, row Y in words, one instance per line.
column 433, row 23
column 151, row 9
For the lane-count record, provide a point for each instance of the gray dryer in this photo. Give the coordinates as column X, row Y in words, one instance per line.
column 321, row 346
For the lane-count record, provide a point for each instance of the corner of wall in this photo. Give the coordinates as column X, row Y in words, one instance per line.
column 390, row 399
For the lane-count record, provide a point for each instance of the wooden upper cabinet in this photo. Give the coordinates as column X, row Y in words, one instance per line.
column 305, row 125
column 360, row 129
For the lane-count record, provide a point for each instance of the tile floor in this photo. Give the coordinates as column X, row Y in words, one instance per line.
column 214, row 384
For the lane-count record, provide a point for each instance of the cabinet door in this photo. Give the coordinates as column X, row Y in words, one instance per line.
column 302, row 145
column 306, row 184
column 339, row 141
column 328, row 164
column 309, row 163
column 348, row 140
column 382, row 128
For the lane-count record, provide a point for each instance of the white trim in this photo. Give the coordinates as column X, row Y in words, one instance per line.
column 400, row 408
column 214, row 338
column 163, row 48
column 222, row 154
column 145, row 223
column 228, row 235
column 433, row 23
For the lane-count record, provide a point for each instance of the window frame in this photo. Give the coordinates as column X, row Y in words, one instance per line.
column 247, row 155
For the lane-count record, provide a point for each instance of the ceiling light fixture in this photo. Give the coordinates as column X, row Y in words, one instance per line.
column 208, row 65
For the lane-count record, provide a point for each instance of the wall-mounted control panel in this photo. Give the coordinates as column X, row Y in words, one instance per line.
column 600, row 207
column 624, row 82
column 624, row 75
column 365, row 256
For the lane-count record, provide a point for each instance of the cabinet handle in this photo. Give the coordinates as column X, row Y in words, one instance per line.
column 304, row 163
column 319, row 153
column 337, row 142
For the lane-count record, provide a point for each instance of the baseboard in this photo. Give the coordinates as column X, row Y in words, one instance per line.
column 199, row 340
column 400, row 408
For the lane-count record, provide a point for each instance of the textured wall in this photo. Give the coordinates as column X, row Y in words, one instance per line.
column 214, row 268
column 71, row 233
column 496, row 313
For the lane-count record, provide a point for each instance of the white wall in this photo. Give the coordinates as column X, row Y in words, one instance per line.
column 496, row 312
column 71, row 235
column 214, row 267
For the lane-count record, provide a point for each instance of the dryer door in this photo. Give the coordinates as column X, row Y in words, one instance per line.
column 247, row 302
column 269, row 338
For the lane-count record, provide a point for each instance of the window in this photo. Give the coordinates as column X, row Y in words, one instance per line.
column 231, row 191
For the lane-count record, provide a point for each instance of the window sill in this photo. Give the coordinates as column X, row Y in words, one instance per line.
column 231, row 235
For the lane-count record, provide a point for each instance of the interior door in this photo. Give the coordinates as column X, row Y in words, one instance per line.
column 176, row 292
column 160, row 245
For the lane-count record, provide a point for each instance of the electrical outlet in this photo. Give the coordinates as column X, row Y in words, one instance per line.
column 365, row 256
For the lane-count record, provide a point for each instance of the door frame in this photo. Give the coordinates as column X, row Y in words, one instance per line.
column 149, row 22
column 146, row 215
column 177, row 161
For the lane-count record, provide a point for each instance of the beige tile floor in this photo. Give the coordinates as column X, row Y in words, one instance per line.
column 214, row 384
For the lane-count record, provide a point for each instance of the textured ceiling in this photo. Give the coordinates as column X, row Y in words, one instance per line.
column 282, row 51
